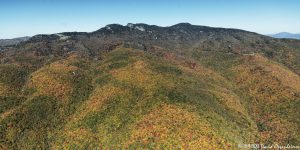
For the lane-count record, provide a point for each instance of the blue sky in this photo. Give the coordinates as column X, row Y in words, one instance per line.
column 30, row 17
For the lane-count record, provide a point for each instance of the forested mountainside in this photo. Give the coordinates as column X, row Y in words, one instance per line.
column 145, row 86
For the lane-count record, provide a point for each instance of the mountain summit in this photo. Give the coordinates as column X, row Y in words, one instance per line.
column 144, row 86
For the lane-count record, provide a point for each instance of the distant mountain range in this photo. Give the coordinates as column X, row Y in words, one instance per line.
column 286, row 35
column 14, row 41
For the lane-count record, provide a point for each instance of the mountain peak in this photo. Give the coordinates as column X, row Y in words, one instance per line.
column 183, row 24
column 138, row 26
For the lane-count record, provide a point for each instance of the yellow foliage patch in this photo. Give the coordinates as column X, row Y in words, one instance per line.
column 173, row 126
column 198, row 70
column 53, row 80
column 79, row 135
column 139, row 75
column 75, row 137
column 4, row 89
column 267, row 80
column 99, row 96
column 202, row 72
column 287, row 77
column 230, row 99
column 269, row 84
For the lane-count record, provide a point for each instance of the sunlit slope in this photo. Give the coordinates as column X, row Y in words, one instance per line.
column 268, row 90
column 50, row 95
column 130, row 98
column 274, row 93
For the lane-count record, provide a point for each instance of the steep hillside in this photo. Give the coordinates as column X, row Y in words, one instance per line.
column 144, row 86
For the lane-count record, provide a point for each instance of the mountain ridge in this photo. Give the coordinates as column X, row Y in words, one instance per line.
column 115, row 25
column 186, row 37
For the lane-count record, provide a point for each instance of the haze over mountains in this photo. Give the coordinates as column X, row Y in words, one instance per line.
column 286, row 35
column 14, row 41
column 149, row 87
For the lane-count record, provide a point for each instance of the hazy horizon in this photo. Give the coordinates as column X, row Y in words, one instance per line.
column 28, row 18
